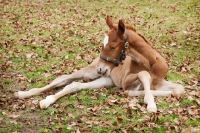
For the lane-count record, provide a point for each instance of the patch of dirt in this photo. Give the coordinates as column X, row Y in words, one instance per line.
column 12, row 81
column 17, row 114
column 27, row 122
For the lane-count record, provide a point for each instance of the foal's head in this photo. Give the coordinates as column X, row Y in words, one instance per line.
column 113, row 51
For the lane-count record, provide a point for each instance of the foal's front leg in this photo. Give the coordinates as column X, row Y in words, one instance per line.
column 145, row 78
column 74, row 87
column 87, row 72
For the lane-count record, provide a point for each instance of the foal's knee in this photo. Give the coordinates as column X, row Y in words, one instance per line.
column 144, row 74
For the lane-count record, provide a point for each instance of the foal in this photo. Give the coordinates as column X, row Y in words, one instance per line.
column 131, row 76
column 147, row 64
column 124, row 39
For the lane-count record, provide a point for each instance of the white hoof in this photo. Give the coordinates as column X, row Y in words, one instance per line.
column 152, row 108
column 20, row 95
column 16, row 95
column 47, row 102
column 25, row 94
column 179, row 91
column 126, row 93
column 42, row 104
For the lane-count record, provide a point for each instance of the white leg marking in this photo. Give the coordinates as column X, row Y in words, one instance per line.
column 153, row 92
column 47, row 102
column 60, row 81
column 145, row 78
column 88, row 72
column 74, row 87
column 178, row 90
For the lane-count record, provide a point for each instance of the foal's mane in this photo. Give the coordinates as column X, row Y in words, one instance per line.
column 130, row 27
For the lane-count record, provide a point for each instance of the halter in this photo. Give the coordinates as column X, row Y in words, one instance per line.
column 121, row 56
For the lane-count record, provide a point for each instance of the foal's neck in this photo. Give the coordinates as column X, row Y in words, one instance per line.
column 139, row 49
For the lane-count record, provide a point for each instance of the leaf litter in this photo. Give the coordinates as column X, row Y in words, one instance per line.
column 37, row 34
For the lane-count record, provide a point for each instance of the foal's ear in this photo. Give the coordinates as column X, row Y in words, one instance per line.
column 109, row 22
column 121, row 27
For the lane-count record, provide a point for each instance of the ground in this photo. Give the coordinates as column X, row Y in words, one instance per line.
column 41, row 40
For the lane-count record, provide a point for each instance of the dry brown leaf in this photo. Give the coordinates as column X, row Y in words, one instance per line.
column 14, row 116
column 133, row 103
column 193, row 111
column 71, row 115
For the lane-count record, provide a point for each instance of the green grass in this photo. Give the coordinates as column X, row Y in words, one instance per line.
column 60, row 33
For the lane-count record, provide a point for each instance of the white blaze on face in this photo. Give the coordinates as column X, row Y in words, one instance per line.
column 105, row 41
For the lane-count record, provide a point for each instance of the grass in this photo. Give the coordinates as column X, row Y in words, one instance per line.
column 65, row 35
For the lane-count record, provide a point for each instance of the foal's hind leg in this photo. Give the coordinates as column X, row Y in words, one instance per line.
column 87, row 72
column 176, row 89
column 60, row 81
column 74, row 87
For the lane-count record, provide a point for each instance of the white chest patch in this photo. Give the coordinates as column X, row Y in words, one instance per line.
column 105, row 41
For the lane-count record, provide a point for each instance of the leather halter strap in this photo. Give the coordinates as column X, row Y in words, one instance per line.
column 121, row 56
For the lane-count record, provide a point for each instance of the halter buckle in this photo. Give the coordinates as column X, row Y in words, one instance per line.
column 126, row 45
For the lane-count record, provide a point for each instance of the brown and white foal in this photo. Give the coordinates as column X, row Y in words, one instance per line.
column 147, row 65
column 134, row 75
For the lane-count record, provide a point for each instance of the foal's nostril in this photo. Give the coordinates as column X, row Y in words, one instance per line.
column 99, row 71
column 106, row 70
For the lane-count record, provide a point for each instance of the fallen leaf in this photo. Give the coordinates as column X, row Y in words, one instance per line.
column 133, row 103
column 193, row 111
column 14, row 116
column 29, row 55
column 173, row 44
